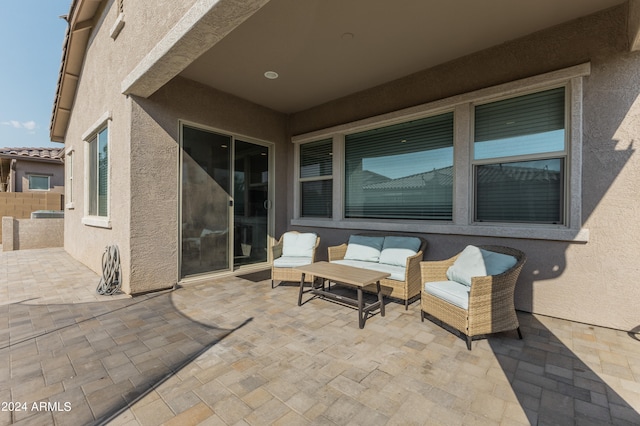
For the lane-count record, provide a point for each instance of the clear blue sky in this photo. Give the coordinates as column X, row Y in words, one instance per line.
column 31, row 34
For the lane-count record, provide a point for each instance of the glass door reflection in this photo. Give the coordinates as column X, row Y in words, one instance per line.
column 205, row 205
column 251, row 203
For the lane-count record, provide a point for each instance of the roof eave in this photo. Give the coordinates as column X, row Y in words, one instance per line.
column 81, row 21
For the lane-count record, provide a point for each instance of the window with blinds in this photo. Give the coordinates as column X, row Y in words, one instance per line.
column 98, row 148
column 402, row 171
column 519, row 153
column 316, row 179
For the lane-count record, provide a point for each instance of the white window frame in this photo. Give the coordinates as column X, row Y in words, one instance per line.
column 462, row 105
column 69, row 157
column 30, row 175
column 92, row 220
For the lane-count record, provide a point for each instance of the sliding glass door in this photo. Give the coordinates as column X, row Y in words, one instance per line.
column 224, row 202
column 251, row 203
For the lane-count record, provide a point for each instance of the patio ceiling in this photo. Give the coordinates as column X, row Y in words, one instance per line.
column 326, row 49
column 322, row 49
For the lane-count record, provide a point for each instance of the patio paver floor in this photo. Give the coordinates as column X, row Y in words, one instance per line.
column 232, row 351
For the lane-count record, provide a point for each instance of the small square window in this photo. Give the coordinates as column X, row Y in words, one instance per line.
column 38, row 183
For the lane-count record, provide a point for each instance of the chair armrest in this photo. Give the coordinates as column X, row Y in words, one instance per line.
column 315, row 250
column 496, row 289
column 435, row 270
column 412, row 275
column 276, row 250
column 413, row 266
column 337, row 252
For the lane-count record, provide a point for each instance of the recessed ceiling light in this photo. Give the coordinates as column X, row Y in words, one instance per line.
column 348, row 36
column 271, row 75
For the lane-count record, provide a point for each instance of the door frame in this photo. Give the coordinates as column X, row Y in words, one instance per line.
column 270, row 193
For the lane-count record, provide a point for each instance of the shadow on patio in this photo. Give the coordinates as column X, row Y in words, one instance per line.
column 194, row 354
column 92, row 361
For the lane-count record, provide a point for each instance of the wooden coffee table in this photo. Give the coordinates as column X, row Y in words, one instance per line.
column 346, row 275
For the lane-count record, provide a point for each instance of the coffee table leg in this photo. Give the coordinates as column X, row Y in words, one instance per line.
column 301, row 288
column 360, row 306
column 380, row 298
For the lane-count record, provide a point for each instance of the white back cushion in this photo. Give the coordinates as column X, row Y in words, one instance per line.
column 395, row 250
column 296, row 244
column 476, row 262
column 364, row 248
column 497, row 263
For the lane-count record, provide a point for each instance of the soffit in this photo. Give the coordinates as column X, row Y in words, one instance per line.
column 309, row 44
column 81, row 20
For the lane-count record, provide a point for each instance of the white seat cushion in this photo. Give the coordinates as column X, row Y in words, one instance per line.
column 397, row 272
column 296, row 244
column 450, row 291
column 364, row 248
column 396, row 250
column 291, row 261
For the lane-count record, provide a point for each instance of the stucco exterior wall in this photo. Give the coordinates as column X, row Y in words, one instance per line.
column 26, row 168
column 154, row 168
column 98, row 96
column 145, row 23
column 24, row 234
column 144, row 146
column 593, row 282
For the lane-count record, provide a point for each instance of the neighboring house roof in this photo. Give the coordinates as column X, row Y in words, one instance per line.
column 442, row 177
column 34, row 154
column 490, row 175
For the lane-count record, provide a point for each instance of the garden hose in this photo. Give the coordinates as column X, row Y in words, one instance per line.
column 110, row 280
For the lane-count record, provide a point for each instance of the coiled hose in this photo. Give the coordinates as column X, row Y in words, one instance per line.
column 110, row 280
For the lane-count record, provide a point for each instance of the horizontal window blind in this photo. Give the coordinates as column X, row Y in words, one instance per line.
column 93, row 176
column 316, row 159
column 524, row 125
column 402, row 171
column 414, row 136
column 316, row 198
column 103, row 173
column 525, row 192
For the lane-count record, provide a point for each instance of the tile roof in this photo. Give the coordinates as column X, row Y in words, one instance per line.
column 34, row 153
column 490, row 175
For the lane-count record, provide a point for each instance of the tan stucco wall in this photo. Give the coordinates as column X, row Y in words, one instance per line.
column 155, row 159
column 98, row 94
column 144, row 156
column 145, row 24
column 591, row 282
column 24, row 234
column 594, row 282
column 20, row 205
column 26, row 168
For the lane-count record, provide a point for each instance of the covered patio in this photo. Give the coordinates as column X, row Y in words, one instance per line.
column 207, row 353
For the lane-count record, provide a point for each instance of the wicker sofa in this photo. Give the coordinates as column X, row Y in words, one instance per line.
column 457, row 292
column 398, row 255
column 293, row 249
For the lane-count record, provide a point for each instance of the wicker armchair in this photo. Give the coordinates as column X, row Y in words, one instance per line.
column 491, row 308
column 283, row 268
